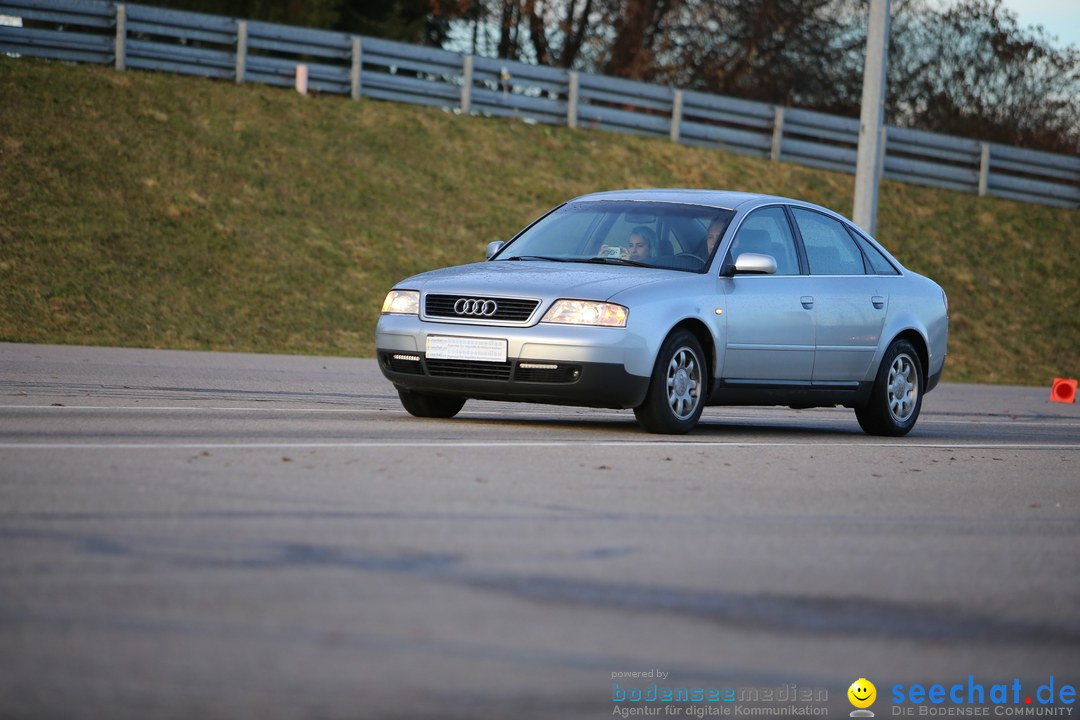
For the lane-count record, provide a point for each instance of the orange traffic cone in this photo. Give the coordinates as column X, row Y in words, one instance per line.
column 1063, row 390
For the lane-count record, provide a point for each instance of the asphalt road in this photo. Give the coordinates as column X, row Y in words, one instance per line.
column 242, row 536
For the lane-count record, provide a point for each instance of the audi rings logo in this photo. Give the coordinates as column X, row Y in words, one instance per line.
column 475, row 307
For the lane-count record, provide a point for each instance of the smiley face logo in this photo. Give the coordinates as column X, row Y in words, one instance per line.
column 862, row 693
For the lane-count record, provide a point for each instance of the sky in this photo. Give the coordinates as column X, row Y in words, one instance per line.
column 1058, row 17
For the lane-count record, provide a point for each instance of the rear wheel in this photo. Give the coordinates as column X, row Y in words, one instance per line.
column 676, row 393
column 430, row 406
column 896, row 399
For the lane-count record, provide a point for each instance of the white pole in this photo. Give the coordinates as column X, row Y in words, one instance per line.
column 872, row 117
column 302, row 79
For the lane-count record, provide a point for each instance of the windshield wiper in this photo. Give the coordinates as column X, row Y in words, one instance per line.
column 614, row 261
column 537, row 257
column 600, row 260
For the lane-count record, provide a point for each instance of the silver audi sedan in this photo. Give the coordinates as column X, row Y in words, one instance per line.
column 666, row 301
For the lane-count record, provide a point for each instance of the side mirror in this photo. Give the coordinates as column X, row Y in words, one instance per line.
column 754, row 264
column 492, row 248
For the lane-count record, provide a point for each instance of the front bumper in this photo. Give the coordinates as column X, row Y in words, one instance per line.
column 556, row 364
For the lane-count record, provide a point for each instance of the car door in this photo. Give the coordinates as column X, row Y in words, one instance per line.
column 849, row 304
column 769, row 335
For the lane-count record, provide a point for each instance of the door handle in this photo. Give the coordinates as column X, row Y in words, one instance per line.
column 807, row 301
column 879, row 302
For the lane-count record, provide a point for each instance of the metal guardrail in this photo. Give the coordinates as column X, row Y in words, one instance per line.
column 150, row 38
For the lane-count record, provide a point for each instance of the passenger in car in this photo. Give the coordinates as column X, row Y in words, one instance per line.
column 716, row 231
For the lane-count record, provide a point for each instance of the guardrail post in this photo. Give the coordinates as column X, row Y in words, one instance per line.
column 777, row 134
column 466, row 85
column 572, row 100
column 676, row 116
column 241, row 50
column 355, row 79
column 882, row 149
column 121, row 37
column 984, row 169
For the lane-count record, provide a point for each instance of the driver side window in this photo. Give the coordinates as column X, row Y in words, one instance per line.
column 766, row 232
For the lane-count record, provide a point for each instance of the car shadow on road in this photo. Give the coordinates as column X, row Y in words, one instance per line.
column 708, row 428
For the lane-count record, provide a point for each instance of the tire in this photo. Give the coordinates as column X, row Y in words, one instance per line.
column 676, row 394
column 430, row 406
column 896, row 398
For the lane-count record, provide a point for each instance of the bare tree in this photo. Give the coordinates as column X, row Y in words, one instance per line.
column 641, row 32
column 547, row 32
column 782, row 51
column 972, row 70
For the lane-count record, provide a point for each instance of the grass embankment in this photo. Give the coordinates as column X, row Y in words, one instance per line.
column 155, row 210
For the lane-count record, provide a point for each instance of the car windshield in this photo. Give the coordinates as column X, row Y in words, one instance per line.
column 649, row 234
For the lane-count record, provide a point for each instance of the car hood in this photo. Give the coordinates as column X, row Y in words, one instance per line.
column 536, row 278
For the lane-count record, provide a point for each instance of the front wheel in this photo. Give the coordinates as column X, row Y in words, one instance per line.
column 676, row 393
column 896, row 399
column 430, row 406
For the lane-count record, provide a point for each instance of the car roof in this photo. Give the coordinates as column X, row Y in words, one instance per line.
column 726, row 199
column 723, row 199
column 729, row 199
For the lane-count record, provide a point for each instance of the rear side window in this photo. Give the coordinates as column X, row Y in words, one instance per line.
column 829, row 247
column 878, row 262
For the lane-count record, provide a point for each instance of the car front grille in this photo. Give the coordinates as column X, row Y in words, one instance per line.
column 506, row 309
column 469, row 369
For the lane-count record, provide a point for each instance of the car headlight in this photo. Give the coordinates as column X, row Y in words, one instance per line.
column 402, row 302
column 587, row 312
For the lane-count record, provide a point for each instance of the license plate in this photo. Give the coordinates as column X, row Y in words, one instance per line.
column 442, row 347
